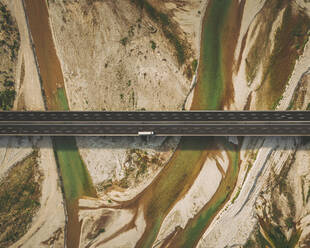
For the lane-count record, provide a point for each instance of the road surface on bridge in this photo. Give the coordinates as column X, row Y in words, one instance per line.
column 161, row 123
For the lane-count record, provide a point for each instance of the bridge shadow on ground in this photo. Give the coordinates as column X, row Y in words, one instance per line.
column 163, row 143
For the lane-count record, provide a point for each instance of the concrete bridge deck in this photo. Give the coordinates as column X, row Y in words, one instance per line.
column 161, row 123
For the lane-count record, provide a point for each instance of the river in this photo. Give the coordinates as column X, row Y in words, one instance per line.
column 213, row 90
column 220, row 31
column 76, row 181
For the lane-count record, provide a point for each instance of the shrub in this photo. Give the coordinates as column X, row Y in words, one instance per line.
column 153, row 44
column 289, row 222
column 194, row 64
column 8, row 83
column 124, row 41
column 7, row 99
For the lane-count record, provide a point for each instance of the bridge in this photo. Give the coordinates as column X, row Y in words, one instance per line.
column 160, row 123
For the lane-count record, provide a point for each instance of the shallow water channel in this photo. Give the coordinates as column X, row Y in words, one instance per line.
column 76, row 181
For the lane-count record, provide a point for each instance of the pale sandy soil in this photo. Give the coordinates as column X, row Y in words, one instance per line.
column 122, row 227
column 304, row 4
column 12, row 150
column 189, row 17
column 105, row 157
column 223, row 160
column 232, row 224
column 125, row 239
column 145, row 78
column 28, row 89
column 115, row 220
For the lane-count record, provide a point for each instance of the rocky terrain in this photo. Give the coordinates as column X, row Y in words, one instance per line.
column 151, row 55
column 161, row 192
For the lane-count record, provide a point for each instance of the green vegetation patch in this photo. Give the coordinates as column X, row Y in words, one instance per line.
column 259, row 50
column 308, row 194
column 10, row 38
column 7, row 99
column 194, row 64
column 20, row 193
column 9, row 46
column 276, row 103
column 153, row 44
column 138, row 164
column 124, row 41
column 75, row 177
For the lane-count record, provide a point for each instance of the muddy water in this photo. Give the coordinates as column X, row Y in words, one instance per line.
column 75, row 177
column 49, row 65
